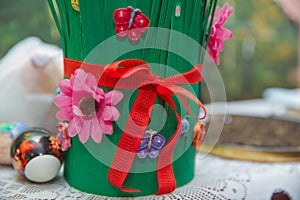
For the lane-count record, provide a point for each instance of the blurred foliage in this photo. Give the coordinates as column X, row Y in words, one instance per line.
column 23, row 18
column 262, row 53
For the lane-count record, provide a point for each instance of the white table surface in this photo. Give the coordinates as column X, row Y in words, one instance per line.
column 215, row 178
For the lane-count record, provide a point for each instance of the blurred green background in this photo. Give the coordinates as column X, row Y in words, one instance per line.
column 262, row 53
column 24, row 18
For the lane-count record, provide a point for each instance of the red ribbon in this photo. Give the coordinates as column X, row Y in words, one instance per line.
column 136, row 74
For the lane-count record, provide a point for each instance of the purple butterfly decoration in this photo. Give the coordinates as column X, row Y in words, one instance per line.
column 150, row 145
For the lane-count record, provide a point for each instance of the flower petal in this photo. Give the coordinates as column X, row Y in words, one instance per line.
column 77, row 111
column 73, row 128
column 106, row 126
column 115, row 114
column 65, row 114
column 97, row 136
column 110, row 113
column 98, row 94
column 219, row 45
column 113, row 97
column 80, row 81
column 90, row 80
column 226, row 34
column 65, row 87
column 66, row 144
column 85, row 131
column 83, row 136
column 96, row 131
column 214, row 56
column 106, row 113
column 62, row 101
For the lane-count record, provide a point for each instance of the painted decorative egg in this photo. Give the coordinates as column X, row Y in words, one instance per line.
column 36, row 154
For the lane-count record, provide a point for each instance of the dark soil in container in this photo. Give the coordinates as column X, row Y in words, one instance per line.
column 263, row 132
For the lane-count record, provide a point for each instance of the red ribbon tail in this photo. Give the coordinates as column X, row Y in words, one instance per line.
column 166, row 180
column 165, row 174
column 131, row 137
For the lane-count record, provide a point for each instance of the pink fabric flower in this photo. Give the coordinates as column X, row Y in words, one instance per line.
column 89, row 110
column 63, row 137
column 218, row 34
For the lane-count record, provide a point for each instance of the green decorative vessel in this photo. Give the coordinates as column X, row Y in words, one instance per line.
column 94, row 32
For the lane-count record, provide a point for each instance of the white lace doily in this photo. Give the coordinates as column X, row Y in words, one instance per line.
column 216, row 178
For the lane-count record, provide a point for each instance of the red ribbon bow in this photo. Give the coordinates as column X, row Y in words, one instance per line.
column 136, row 74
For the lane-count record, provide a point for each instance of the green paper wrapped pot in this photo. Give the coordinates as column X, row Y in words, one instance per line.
column 89, row 35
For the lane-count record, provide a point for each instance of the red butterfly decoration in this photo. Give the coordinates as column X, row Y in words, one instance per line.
column 130, row 21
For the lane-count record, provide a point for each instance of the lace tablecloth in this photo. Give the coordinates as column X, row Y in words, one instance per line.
column 215, row 178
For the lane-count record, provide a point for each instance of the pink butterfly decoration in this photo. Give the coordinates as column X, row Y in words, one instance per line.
column 130, row 21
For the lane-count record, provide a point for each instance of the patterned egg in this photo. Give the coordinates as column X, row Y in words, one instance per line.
column 36, row 154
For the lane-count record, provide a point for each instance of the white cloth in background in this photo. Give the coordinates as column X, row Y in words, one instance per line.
column 29, row 75
column 289, row 98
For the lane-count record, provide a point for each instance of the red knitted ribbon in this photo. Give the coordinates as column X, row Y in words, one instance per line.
column 136, row 74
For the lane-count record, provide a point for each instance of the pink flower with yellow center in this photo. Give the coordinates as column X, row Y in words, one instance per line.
column 89, row 110
column 218, row 34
